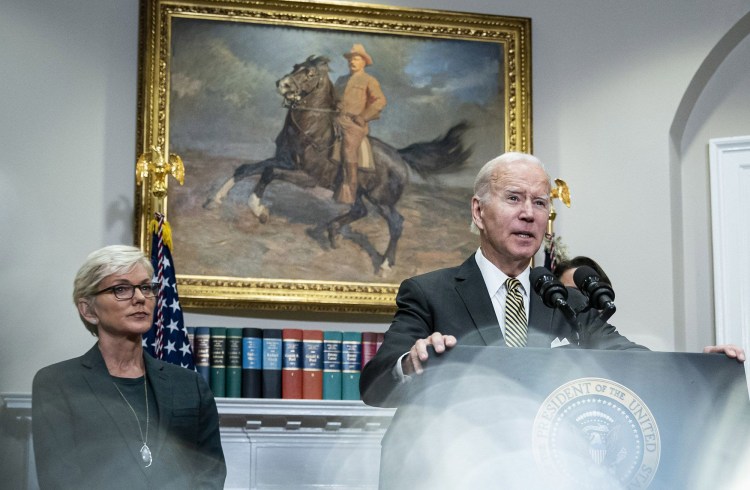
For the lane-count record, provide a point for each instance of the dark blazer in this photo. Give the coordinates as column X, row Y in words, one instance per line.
column 455, row 301
column 85, row 437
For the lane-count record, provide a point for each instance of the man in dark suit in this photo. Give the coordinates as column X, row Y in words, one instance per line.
column 466, row 304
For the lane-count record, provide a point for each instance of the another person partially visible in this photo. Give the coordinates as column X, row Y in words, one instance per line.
column 116, row 417
column 565, row 270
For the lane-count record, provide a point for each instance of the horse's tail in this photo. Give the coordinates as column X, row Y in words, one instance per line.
column 441, row 155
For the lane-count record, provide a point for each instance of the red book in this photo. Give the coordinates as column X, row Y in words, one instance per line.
column 381, row 337
column 312, row 364
column 291, row 368
column 369, row 346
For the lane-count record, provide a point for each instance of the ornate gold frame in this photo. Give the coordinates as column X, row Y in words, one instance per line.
column 212, row 292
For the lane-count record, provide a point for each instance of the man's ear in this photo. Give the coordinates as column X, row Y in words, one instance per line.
column 87, row 311
column 476, row 213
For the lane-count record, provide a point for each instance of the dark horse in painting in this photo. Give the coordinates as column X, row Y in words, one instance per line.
column 303, row 158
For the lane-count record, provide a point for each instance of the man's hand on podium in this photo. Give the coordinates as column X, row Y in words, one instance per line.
column 732, row 351
column 412, row 362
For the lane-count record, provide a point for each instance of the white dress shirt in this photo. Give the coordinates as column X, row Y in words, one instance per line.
column 494, row 279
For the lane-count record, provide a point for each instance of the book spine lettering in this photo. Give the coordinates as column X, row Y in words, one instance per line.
column 234, row 363
column 369, row 346
column 291, row 369
column 203, row 352
column 351, row 365
column 217, row 379
column 272, row 361
column 332, row 365
column 312, row 364
column 252, row 362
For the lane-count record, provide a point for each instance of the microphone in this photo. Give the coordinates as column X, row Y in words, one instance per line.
column 600, row 294
column 552, row 292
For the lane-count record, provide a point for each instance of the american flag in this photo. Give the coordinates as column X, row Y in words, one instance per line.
column 550, row 253
column 167, row 339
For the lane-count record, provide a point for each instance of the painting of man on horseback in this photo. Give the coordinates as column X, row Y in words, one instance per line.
column 255, row 113
column 305, row 155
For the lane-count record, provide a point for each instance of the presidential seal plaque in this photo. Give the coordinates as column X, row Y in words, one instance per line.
column 595, row 433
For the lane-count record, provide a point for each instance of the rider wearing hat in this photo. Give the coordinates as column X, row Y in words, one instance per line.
column 360, row 100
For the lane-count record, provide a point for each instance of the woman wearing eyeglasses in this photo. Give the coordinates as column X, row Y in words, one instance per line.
column 116, row 417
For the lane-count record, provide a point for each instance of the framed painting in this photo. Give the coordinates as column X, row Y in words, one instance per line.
column 255, row 97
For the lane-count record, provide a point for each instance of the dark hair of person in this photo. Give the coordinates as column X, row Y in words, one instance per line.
column 579, row 261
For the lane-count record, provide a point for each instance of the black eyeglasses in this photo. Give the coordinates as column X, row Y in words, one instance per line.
column 127, row 291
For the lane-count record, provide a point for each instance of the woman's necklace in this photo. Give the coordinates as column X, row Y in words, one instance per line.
column 145, row 451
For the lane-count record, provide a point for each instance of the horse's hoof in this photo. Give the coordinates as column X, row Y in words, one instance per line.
column 334, row 237
column 259, row 210
column 211, row 204
column 384, row 270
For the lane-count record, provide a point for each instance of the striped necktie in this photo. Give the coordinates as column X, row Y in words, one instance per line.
column 515, row 315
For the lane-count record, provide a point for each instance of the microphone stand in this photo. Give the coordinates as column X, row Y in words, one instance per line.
column 572, row 318
column 608, row 311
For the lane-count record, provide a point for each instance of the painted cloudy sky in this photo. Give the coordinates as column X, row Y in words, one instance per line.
column 224, row 100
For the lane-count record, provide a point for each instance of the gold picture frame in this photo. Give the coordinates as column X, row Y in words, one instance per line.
column 207, row 94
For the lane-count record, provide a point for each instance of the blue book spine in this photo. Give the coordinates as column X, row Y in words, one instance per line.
column 332, row 365
column 271, row 363
column 351, row 365
column 252, row 363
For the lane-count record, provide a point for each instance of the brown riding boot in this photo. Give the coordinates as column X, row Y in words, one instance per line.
column 346, row 193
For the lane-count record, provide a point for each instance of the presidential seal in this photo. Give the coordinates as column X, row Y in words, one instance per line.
column 594, row 433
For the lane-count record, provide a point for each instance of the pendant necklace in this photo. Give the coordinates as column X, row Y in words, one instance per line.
column 145, row 451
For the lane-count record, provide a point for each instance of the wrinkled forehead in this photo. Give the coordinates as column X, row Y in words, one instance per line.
column 522, row 176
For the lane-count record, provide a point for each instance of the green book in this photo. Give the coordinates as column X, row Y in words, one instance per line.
column 218, row 367
column 351, row 365
column 332, row 365
column 234, row 363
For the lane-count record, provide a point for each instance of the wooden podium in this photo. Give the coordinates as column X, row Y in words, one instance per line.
column 495, row 417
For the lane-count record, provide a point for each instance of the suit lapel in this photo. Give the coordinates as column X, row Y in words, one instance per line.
column 100, row 382
column 163, row 394
column 471, row 288
column 540, row 323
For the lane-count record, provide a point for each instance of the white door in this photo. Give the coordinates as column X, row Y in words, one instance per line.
column 730, row 217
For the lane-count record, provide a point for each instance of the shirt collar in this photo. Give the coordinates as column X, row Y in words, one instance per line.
column 494, row 278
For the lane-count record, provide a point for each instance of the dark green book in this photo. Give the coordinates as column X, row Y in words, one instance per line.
column 332, row 365
column 234, row 363
column 218, row 372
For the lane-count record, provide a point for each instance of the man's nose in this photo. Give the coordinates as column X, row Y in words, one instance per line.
column 527, row 210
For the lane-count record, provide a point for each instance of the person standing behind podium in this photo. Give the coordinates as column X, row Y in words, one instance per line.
column 565, row 270
column 467, row 304
column 116, row 417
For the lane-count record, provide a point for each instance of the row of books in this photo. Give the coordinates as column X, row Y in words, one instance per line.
column 282, row 363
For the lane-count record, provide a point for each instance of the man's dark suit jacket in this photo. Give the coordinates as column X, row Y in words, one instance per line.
column 455, row 301
column 85, row 435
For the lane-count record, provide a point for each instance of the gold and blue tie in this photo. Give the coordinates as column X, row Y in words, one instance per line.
column 516, row 327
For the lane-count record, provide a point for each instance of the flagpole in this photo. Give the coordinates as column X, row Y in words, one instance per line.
column 561, row 191
column 152, row 170
column 167, row 339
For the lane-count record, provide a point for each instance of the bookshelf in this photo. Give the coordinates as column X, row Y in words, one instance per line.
column 268, row 443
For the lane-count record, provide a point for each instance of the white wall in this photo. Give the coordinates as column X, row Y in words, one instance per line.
column 608, row 81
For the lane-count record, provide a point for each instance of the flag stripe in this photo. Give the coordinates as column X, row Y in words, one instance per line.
column 167, row 339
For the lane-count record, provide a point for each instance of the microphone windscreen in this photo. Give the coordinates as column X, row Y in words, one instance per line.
column 582, row 276
column 536, row 274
